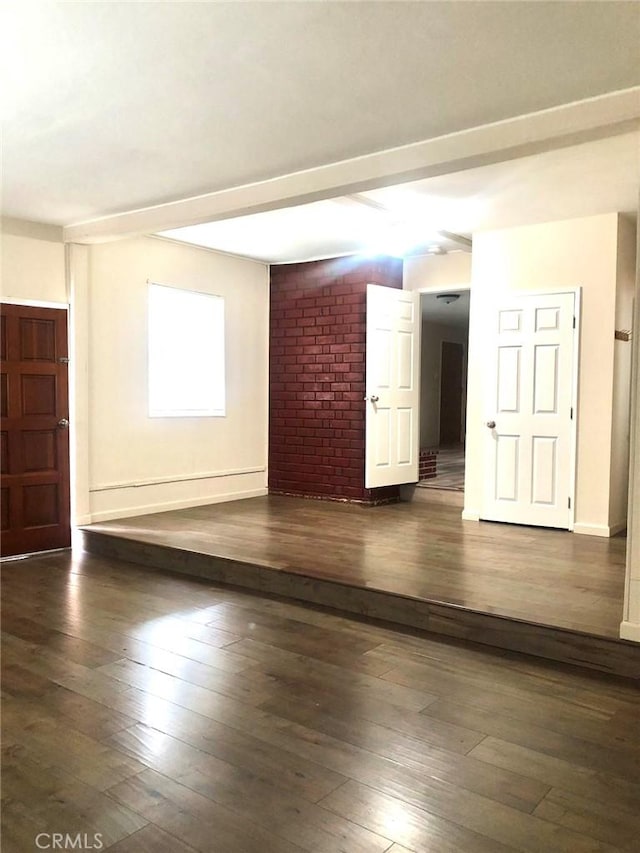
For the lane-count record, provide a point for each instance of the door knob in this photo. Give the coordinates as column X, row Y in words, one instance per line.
column 373, row 398
column 491, row 424
column 63, row 423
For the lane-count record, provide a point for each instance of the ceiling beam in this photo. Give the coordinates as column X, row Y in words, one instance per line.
column 465, row 242
column 569, row 124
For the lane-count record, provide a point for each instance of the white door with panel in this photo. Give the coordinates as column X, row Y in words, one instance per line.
column 529, row 432
column 393, row 387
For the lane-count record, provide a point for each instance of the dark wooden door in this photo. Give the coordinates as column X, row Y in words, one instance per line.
column 451, row 393
column 34, row 429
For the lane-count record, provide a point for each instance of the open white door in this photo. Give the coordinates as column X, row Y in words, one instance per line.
column 529, row 409
column 393, row 387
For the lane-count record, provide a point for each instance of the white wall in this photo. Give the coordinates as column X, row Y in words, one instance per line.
column 137, row 464
column 433, row 334
column 625, row 286
column 554, row 256
column 32, row 263
column 630, row 626
column 435, row 272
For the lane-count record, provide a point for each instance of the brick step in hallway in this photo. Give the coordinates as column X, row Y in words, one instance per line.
column 449, row 470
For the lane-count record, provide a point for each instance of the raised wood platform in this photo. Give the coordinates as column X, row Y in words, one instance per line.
column 547, row 593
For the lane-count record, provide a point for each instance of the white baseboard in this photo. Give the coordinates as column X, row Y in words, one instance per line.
column 599, row 529
column 470, row 515
column 630, row 631
column 147, row 509
column 79, row 520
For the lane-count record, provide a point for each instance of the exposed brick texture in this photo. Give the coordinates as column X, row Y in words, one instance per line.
column 317, row 377
column 427, row 464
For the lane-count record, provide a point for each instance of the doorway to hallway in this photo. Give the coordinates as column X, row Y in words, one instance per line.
column 443, row 392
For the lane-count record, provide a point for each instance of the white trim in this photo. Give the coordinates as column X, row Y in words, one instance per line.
column 154, row 282
column 630, row 631
column 183, row 243
column 128, row 512
column 266, row 378
column 34, row 230
column 567, row 124
column 78, row 286
column 633, row 547
column 178, row 478
column 34, row 303
column 470, row 515
column 575, row 379
column 597, row 529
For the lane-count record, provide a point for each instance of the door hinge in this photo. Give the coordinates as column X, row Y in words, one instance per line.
column 63, row 359
column 574, row 322
column 571, row 412
column 569, row 502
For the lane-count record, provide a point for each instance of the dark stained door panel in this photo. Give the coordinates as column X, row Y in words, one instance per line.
column 34, row 438
column 451, row 381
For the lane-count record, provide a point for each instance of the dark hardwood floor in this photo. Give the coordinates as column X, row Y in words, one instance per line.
column 169, row 715
column 418, row 550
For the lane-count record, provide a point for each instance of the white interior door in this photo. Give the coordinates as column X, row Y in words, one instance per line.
column 529, row 428
column 393, row 387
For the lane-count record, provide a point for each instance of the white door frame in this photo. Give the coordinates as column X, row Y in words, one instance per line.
column 573, row 475
column 630, row 625
column 455, row 288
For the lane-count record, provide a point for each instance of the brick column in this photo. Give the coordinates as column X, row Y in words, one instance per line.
column 317, row 377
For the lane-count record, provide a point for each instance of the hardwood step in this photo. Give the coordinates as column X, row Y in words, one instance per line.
column 604, row 654
column 432, row 495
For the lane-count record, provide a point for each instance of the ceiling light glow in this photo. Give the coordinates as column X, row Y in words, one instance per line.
column 400, row 239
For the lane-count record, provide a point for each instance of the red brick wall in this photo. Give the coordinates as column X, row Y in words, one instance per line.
column 427, row 464
column 317, row 376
